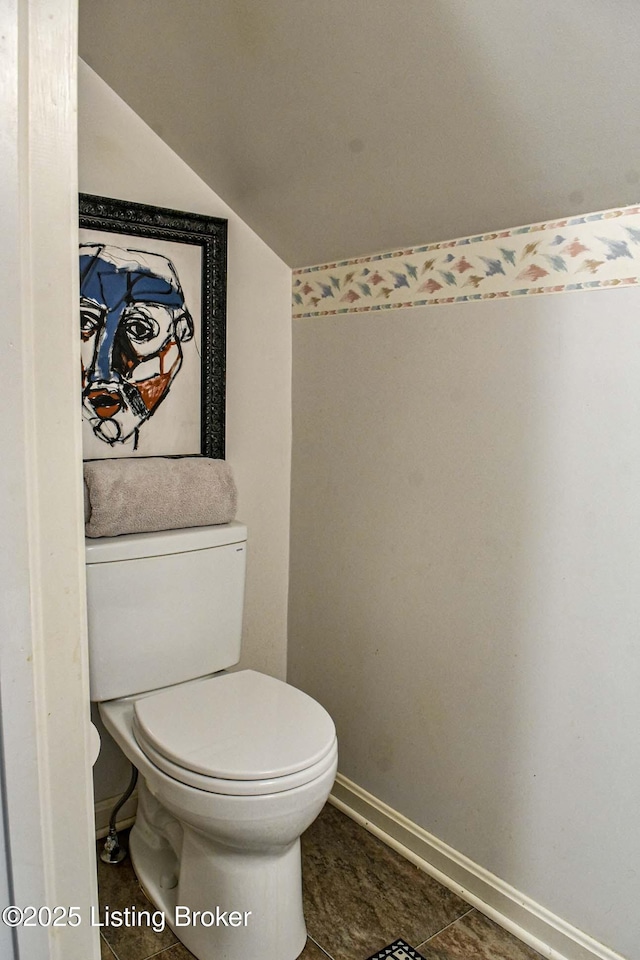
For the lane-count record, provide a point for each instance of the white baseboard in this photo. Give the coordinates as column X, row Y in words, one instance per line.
column 536, row 926
column 126, row 815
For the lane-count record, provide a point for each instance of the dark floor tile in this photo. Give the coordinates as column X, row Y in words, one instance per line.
column 359, row 895
column 180, row 952
column 475, row 937
column 106, row 953
column 312, row 952
column 118, row 889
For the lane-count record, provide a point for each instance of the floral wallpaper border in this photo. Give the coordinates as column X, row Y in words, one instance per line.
column 592, row 251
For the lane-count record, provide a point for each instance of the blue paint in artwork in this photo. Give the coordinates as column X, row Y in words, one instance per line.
column 114, row 287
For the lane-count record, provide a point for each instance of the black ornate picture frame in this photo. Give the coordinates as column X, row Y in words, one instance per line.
column 153, row 323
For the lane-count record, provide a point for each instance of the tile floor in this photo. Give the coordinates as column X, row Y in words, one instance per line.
column 359, row 896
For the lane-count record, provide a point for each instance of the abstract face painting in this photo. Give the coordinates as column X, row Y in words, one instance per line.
column 134, row 327
column 153, row 330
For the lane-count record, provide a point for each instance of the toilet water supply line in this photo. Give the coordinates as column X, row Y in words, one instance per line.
column 113, row 852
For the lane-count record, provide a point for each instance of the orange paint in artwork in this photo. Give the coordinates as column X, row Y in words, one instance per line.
column 105, row 403
column 128, row 364
column 167, row 363
column 153, row 390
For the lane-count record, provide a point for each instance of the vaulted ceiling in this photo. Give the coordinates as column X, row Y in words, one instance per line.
column 338, row 128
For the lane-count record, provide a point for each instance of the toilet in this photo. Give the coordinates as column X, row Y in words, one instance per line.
column 233, row 766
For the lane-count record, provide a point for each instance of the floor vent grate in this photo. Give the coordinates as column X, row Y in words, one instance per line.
column 398, row 950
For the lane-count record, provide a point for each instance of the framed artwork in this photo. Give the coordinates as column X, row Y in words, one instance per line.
column 152, row 327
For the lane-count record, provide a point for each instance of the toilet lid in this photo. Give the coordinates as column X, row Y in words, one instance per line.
column 239, row 726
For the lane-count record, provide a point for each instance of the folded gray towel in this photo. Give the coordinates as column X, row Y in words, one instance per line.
column 142, row 494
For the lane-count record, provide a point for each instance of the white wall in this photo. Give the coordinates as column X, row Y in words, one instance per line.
column 465, row 580
column 119, row 156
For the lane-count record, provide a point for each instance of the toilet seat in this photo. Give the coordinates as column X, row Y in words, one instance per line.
column 239, row 734
column 238, row 788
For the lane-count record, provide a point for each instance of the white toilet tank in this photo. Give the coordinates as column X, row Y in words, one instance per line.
column 163, row 607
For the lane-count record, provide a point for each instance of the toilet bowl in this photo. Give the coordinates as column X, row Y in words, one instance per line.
column 234, row 765
column 234, row 768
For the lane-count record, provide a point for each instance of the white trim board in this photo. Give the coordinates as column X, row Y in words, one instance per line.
column 44, row 689
column 536, row 926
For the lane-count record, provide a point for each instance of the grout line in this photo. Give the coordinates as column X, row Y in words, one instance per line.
column 446, row 927
column 109, row 947
column 320, row 947
column 152, row 956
